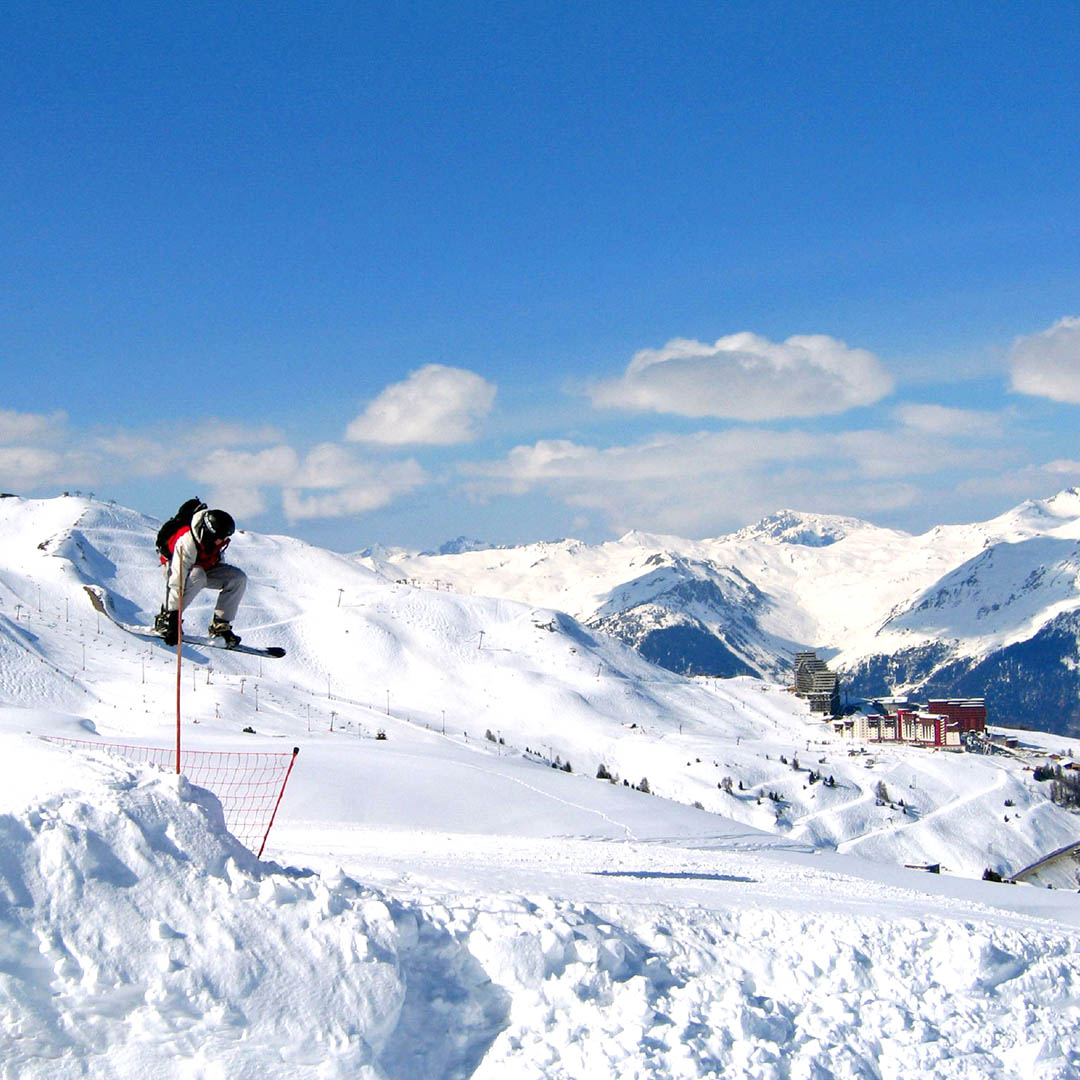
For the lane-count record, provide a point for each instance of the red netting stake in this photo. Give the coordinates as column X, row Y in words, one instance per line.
column 288, row 772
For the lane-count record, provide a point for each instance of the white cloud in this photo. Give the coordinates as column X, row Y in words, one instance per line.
column 437, row 405
column 1047, row 364
column 241, row 502
column 224, row 459
column 710, row 482
column 16, row 427
column 1062, row 467
column 122, row 452
column 947, row 422
column 214, row 432
column 33, row 452
column 133, row 454
column 1026, row 481
column 331, row 465
column 345, row 484
column 276, row 465
column 237, row 477
column 27, row 465
column 685, row 484
column 912, row 453
column 369, row 488
column 747, row 377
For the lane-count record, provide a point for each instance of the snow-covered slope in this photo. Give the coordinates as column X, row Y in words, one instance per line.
column 947, row 612
column 364, row 653
column 444, row 904
column 138, row 936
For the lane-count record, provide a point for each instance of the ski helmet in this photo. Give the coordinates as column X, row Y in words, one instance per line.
column 213, row 525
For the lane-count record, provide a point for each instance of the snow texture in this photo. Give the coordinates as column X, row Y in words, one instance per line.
column 441, row 904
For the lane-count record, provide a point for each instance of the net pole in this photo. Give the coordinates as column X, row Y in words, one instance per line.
column 288, row 773
column 179, row 648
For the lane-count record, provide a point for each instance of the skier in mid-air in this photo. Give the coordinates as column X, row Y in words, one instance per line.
column 193, row 563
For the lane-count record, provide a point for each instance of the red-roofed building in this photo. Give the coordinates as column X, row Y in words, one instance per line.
column 940, row 723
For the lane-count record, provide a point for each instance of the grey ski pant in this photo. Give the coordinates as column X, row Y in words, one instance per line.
column 230, row 581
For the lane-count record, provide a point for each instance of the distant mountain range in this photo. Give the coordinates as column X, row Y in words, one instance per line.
column 990, row 609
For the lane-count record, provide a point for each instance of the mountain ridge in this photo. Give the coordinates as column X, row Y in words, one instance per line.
column 941, row 604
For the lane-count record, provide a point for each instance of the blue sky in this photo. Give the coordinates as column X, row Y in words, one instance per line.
column 398, row 272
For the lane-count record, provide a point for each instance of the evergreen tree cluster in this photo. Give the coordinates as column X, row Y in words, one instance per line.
column 1064, row 785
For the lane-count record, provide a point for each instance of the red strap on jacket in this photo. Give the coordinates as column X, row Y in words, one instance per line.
column 205, row 559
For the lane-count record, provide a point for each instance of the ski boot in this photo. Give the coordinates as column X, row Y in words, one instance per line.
column 220, row 628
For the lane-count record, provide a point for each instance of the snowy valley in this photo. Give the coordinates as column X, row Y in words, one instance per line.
column 449, row 890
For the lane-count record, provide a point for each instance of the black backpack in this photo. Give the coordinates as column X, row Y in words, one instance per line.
column 178, row 521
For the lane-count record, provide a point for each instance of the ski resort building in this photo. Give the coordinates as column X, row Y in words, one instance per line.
column 968, row 714
column 816, row 683
column 940, row 723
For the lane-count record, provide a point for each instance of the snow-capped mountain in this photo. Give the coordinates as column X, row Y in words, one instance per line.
column 460, row 545
column 987, row 609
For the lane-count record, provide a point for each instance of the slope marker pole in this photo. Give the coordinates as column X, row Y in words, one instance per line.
column 179, row 650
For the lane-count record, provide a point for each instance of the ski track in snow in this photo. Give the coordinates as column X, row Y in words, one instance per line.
column 730, row 986
column 998, row 783
column 554, row 798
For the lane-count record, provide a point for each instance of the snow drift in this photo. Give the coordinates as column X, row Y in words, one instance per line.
column 139, row 936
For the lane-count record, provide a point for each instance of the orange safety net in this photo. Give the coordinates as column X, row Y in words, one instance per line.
column 249, row 785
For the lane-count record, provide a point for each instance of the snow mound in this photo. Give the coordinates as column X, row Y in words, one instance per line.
column 138, row 935
column 772, row 994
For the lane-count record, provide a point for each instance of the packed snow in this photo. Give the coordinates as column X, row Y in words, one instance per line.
column 439, row 896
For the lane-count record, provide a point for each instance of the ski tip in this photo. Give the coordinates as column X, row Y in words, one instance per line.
column 275, row 650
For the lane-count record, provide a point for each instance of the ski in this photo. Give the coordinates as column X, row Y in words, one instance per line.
column 100, row 601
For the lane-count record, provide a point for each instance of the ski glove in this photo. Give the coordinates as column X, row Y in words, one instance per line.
column 171, row 633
